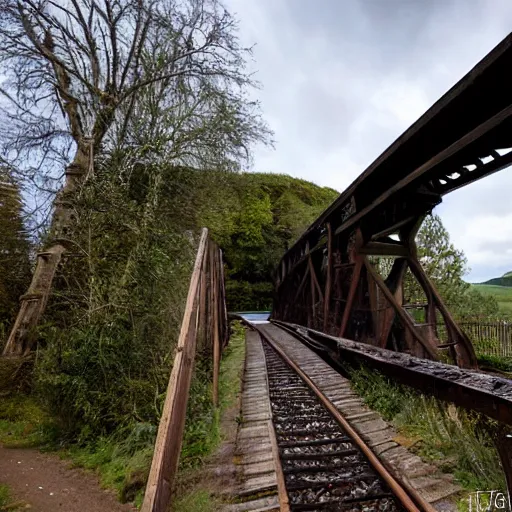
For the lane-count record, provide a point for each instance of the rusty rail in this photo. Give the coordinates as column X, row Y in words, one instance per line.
column 480, row 392
column 204, row 326
column 393, row 484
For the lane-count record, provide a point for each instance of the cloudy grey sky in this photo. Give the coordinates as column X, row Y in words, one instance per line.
column 342, row 79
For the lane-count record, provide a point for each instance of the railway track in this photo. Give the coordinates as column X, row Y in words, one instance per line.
column 323, row 468
column 307, row 441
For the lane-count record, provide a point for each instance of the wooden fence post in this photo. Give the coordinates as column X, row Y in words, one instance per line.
column 216, row 341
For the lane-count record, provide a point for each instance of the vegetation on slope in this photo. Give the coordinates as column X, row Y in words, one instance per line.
column 504, row 280
column 500, row 288
column 256, row 217
column 456, row 441
column 501, row 293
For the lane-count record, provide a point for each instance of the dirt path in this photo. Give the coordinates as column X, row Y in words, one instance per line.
column 48, row 484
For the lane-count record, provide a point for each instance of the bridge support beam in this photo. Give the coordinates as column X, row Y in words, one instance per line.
column 347, row 296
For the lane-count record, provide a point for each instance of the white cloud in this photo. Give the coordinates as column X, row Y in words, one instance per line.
column 342, row 80
column 483, row 234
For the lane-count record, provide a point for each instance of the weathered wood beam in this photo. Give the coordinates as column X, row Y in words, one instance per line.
column 214, row 251
column 315, row 282
column 170, row 431
column 467, row 357
column 480, row 131
column 395, row 284
column 384, row 249
column 404, row 317
column 302, row 283
column 354, row 284
column 327, row 294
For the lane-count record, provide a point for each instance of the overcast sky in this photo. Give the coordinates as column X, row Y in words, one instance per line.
column 342, row 79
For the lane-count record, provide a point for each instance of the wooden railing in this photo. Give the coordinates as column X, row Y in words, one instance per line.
column 490, row 339
column 204, row 327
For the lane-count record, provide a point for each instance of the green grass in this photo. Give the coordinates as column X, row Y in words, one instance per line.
column 122, row 462
column 231, row 368
column 5, row 496
column 503, row 364
column 449, row 437
column 194, row 494
column 196, row 501
column 24, row 424
column 503, row 295
column 202, row 430
column 6, row 502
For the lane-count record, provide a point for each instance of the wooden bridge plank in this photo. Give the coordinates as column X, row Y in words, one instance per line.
column 254, row 451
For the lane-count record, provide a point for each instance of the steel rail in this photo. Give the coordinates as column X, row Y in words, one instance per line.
column 409, row 498
column 284, row 504
column 472, row 390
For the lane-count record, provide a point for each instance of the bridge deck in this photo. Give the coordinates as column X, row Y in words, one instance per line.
column 432, row 485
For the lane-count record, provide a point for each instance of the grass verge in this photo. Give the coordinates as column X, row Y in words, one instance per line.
column 503, row 364
column 194, row 489
column 6, row 502
column 23, row 423
column 453, row 439
column 122, row 460
column 5, row 497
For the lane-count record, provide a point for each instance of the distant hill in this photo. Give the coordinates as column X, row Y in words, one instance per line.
column 504, row 280
column 501, row 289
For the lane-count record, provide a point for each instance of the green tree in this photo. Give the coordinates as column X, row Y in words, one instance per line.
column 446, row 266
column 117, row 83
column 14, row 248
column 256, row 217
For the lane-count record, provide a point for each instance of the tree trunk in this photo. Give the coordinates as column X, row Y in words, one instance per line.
column 23, row 336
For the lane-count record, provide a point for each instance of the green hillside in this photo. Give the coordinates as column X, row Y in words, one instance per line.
column 501, row 289
column 504, row 280
column 256, row 217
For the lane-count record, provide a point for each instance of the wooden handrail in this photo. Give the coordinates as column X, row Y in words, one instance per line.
column 203, row 312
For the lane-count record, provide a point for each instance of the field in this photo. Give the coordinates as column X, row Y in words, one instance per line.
column 503, row 295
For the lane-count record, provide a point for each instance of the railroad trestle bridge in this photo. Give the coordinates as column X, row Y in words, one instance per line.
column 331, row 295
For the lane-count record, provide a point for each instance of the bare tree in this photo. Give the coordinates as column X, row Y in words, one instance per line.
column 87, row 76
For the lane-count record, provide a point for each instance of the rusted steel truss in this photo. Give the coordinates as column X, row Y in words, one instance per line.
column 330, row 280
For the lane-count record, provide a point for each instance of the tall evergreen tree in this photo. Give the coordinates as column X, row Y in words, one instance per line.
column 14, row 248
